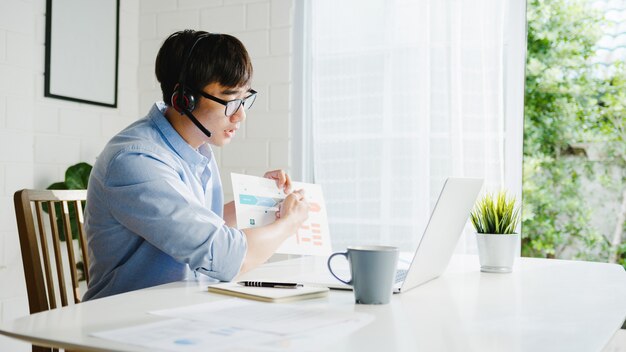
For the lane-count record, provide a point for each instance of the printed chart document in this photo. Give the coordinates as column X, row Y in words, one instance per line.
column 269, row 294
column 185, row 335
column 282, row 319
column 234, row 324
column 256, row 204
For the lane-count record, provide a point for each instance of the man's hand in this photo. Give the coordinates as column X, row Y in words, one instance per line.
column 295, row 208
column 283, row 181
column 264, row 240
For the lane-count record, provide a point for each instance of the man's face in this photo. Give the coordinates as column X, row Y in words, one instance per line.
column 212, row 114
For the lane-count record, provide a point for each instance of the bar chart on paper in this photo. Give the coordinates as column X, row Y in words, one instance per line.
column 257, row 200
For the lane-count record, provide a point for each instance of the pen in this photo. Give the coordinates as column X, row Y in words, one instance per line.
column 269, row 284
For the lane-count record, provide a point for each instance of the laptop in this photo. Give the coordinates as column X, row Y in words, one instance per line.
column 433, row 253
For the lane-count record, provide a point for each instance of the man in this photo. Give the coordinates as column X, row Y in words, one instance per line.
column 155, row 211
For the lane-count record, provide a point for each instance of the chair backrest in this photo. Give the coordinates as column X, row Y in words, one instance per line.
column 41, row 237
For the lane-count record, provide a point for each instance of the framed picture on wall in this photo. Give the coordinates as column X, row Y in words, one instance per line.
column 82, row 42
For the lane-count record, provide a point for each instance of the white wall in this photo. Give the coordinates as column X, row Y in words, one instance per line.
column 40, row 137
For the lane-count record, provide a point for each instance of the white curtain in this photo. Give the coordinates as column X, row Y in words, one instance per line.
column 401, row 95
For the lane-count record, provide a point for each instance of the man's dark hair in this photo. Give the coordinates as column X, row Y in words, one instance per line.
column 219, row 58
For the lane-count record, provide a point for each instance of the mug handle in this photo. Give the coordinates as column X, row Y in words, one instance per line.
column 345, row 254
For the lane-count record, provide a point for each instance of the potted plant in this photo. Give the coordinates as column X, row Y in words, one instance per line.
column 495, row 218
column 76, row 177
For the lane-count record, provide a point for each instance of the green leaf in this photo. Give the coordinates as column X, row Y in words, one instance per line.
column 495, row 214
column 77, row 176
column 58, row 185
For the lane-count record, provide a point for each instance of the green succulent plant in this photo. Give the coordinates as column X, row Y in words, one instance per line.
column 495, row 213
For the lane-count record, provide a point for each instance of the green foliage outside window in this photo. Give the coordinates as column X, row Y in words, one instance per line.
column 574, row 136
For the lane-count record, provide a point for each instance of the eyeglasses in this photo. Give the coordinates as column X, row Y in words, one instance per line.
column 232, row 106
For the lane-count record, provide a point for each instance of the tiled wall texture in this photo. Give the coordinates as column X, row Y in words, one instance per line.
column 40, row 137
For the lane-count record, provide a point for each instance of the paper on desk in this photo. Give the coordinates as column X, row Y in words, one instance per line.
column 185, row 335
column 281, row 319
column 256, row 203
column 241, row 325
column 312, row 341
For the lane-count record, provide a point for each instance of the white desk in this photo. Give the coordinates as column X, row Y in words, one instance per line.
column 544, row 305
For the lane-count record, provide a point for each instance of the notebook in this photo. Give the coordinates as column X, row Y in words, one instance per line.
column 433, row 253
column 267, row 294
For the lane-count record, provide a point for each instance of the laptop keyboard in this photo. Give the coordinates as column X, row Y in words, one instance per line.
column 401, row 275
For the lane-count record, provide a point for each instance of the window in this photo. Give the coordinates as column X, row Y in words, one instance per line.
column 574, row 150
column 399, row 95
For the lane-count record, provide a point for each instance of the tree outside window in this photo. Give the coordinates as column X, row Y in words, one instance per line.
column 574, row 172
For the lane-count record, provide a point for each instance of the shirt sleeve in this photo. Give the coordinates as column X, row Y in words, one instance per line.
column 149, row 196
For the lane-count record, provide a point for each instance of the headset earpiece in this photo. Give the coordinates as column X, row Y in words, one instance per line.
column 183, row 100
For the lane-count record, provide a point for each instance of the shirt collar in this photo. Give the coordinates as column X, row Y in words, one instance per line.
column 180, row 146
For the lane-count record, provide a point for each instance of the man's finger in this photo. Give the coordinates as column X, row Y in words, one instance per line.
column 287, row 187
column 299, row 194
column 281, row 179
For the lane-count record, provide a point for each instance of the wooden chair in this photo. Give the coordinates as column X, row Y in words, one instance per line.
column 40, row 242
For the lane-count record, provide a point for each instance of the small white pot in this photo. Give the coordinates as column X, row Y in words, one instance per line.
column 497, row 252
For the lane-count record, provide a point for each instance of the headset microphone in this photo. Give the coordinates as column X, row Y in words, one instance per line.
column 183, row 100
column 196, row 122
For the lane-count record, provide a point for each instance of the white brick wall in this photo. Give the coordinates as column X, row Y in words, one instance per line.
column 226, row 19
column 40, row 137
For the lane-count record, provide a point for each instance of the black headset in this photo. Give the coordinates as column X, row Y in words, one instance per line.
column 183, row 100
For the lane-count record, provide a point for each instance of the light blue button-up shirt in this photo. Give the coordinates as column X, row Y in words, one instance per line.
column 154, row 211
